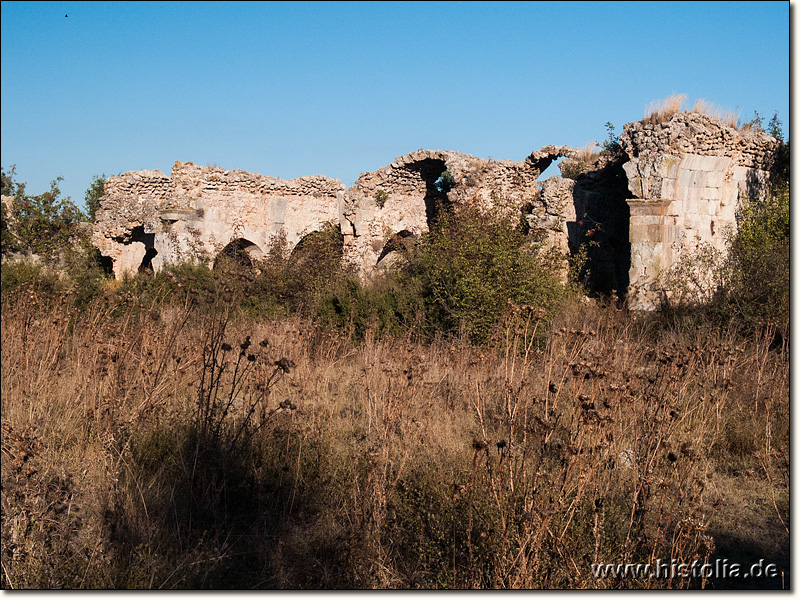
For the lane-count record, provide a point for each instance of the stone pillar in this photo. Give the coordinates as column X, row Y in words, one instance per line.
column 653, row 233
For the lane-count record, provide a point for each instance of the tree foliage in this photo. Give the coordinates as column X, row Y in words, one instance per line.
column 39, row 224
column 93, row 195
column 759, row 273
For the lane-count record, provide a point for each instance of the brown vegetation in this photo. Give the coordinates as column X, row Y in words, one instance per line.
column 462, row 422
column 176, row 443
column 661, row 111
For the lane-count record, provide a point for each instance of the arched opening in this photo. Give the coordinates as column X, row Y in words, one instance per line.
column 400, row 242
column 438, row 182
column 239, row 253
column 148, row 239
column 553, row 170
column 323, row 248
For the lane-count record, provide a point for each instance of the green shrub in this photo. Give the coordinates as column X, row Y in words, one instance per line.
column 471, row 265
column 19, row 276
column 759, row 286
column 42, row 224
column 381, row 196
column 384, row 306
column 315, row 264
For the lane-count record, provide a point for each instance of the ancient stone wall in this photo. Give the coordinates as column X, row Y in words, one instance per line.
column 148, row 219
column 673, row 186
column 405, row 196
column 687, row 176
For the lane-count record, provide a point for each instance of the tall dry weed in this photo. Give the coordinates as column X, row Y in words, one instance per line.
column 144, row 448
column 727, row 117
column 659, row 111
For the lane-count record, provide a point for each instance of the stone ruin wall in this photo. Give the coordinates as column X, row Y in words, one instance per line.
column 149, row 220
column 197, row 212
column 410, row 198
column 685, row 178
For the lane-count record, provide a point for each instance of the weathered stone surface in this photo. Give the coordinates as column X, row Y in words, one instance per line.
column 405, row 197
column 149, row 219
column 676, row 185
column 692, row 170
column 193, row 215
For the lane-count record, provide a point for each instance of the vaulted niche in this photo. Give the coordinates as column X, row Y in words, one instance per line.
column 437, row 183
column 239, row 253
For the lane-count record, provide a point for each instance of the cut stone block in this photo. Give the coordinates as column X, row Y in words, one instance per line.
column 715, row 179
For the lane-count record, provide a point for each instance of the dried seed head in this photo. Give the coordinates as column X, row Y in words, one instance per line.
column 284, row 364
column 478, row 444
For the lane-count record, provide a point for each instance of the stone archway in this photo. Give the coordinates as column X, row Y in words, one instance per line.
column 240, row 252
column 401, row 242
column 438, row 182
column 321, row 247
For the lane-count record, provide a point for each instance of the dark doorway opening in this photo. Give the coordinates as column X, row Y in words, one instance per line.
column 438, row 183
column 603, row 227
column 238, row 253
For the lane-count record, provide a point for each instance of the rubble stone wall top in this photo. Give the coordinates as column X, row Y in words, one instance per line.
column 696, row 133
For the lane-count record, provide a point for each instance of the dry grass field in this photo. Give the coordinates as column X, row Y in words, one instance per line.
column 179, row 442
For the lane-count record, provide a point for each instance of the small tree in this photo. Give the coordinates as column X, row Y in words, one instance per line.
column 611, row 144
column 40, row 224
column 93, row 195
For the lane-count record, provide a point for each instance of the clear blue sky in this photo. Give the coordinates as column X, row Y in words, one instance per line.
column 291, row 89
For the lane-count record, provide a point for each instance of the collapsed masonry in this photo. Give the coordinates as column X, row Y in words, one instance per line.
column 686, row 176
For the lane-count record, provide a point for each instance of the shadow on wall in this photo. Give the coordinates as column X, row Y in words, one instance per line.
column 603, row 227
column 437, row 183
column 148, row 239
